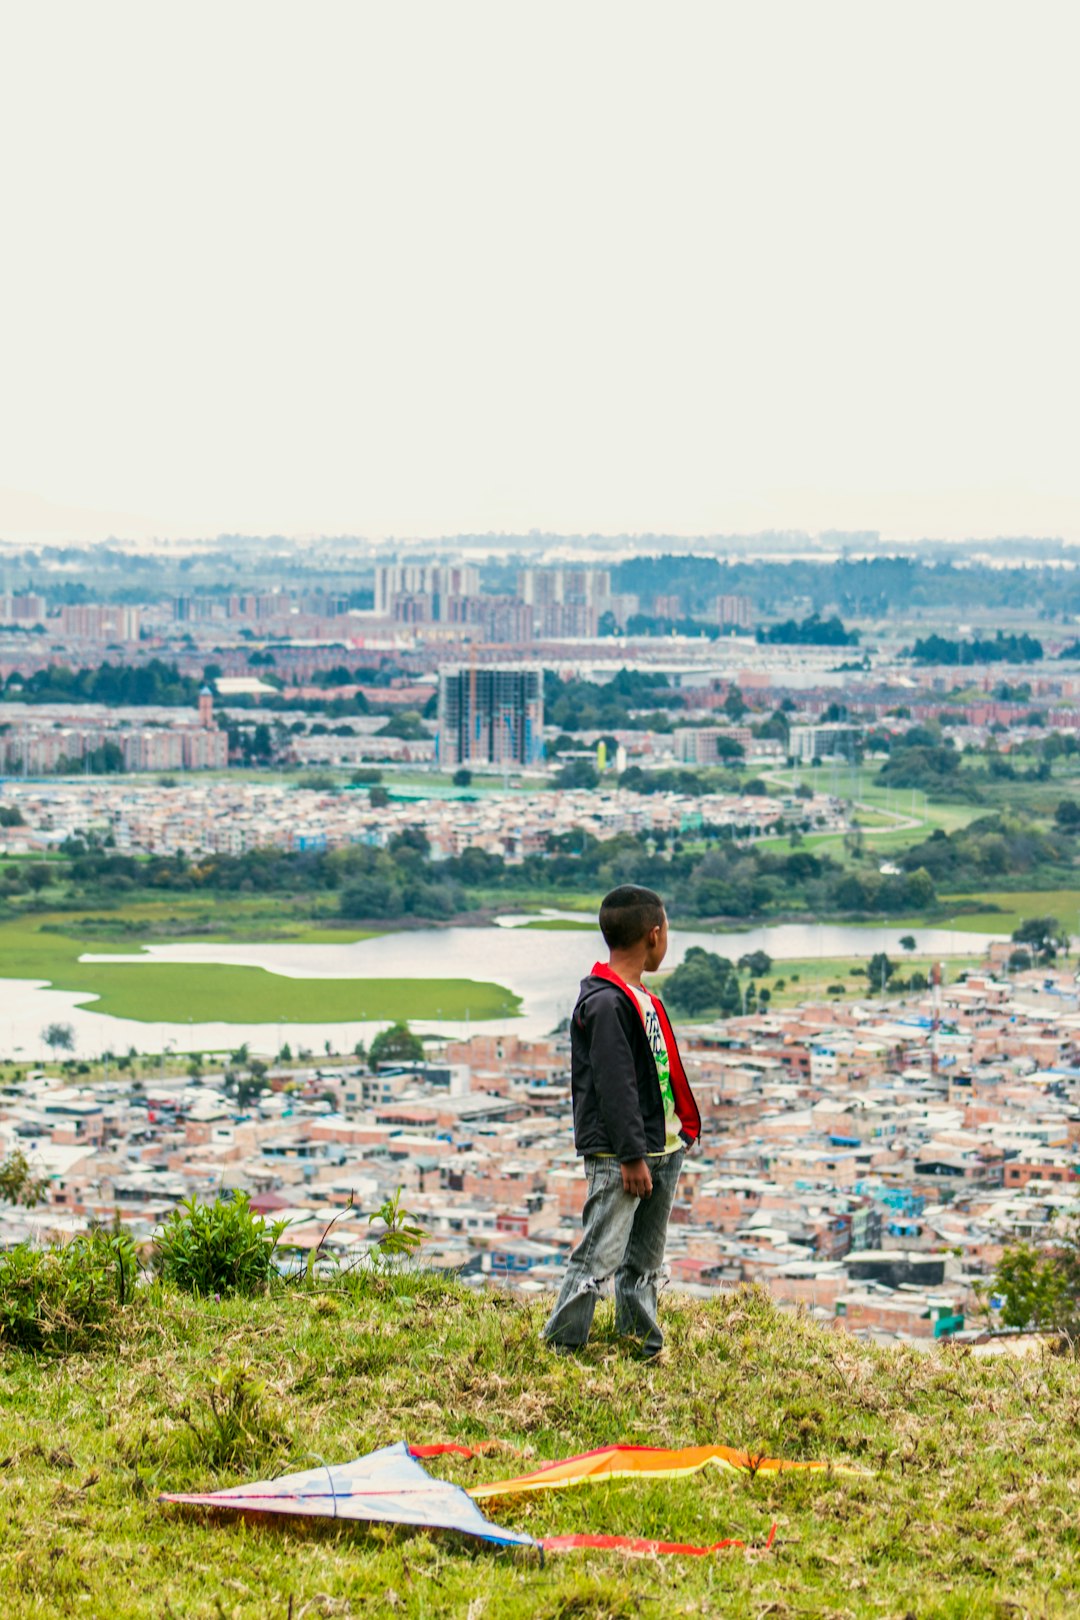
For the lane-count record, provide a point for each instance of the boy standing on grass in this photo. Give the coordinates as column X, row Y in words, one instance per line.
column 634, row 1116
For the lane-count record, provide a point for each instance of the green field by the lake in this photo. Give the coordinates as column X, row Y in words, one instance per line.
column 176, row 992
column 1012, row 907
column 562, row 924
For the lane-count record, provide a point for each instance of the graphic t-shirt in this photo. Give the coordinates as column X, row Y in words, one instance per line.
column 655, row 1035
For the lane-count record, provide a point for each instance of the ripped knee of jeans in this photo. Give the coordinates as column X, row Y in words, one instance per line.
column 593, row 1285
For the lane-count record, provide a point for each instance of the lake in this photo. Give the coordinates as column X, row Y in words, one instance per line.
column 543, row 966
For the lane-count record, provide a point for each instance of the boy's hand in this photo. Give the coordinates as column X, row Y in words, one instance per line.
column 637, row 1179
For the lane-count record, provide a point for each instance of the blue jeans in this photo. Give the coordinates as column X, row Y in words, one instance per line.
column 623, row 1236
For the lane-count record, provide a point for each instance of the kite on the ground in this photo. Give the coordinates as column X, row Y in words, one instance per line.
column 387, row 1486
column 390, row 1487
column 628, row 1462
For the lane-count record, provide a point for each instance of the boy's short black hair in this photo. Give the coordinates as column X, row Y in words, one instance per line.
column 627, row 914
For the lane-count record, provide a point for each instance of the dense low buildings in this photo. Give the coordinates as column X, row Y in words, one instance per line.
column 229, row 817
column 878, row 1192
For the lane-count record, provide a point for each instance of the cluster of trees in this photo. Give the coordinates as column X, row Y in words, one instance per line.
column 406, row 725
column 651, row 624
column 706, row 983
column 812, row 632
column 1040, row 1287
column 862, row 586
column 713, row 877
column 723, row 880
column 1039, row 939
column 252, row 745
column 926, row 758
column 929, row 767
column 399, row 881
column 991, row 848
column 675, row 780
column 578, row 705
column 27, row 877
column 154, row 682
column 999, row 649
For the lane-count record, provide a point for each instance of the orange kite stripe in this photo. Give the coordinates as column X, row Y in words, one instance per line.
column 629, row 1462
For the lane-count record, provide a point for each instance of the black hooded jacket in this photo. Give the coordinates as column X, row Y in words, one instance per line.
column 618, row 1107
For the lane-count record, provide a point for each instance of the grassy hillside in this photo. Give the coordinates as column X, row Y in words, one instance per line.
column 968, row 1508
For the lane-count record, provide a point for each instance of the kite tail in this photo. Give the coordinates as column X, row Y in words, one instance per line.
column 644, row 1548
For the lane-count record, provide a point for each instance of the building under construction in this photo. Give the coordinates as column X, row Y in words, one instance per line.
column 491, row 715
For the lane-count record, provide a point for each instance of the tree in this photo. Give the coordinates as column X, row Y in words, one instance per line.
column 734, row 707
column 59, row 1038
column 397, row 1044
column 248, row 1090
column 880, row 970
column 756, row 963
column 577, row 773
column 462, row 777
column 1040, row 1288
column 407, row 726
column 907, row 942
column 378, row 798
column 1039, row 932
column 17, row 1184
column 704, row 982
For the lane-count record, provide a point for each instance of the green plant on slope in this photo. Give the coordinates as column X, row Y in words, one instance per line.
column 17, row 1184
column 230, row 1426
column 401, row 1237
column 67, row 1298
column 221, row 1248
column 1040, row 1288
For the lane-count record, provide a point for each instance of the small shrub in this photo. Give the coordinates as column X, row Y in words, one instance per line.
column 400, row 1239
column 18, row 1184
column 66, row 1298
column 220, row 1248
column 230, row 1426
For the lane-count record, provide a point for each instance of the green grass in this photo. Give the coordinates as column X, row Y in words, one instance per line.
column 559, row 924
column 175, row 992
column 521, row 900
column 1013, row 907
column 967, row 1506
column 816, row 974
column 808, row 978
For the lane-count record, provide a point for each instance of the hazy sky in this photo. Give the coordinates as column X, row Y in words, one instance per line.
column 420, row 268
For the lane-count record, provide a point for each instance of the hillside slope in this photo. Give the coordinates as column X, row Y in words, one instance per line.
column 969, row 1506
